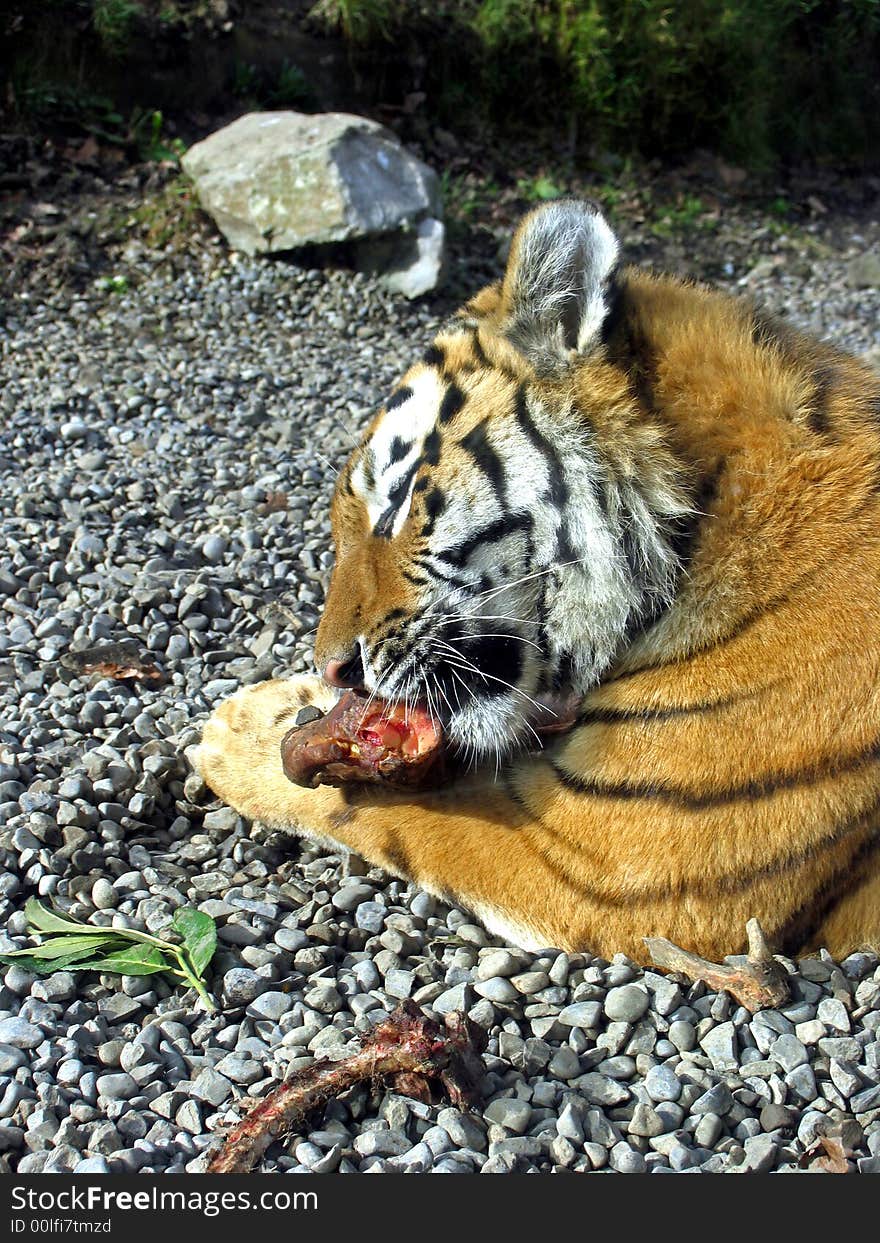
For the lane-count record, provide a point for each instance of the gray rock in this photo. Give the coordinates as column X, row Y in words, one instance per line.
column 683, row 1035
column 564, row 1064
column 717, row 1100
column 399, row 983
column 241, row 986
column 20, row 1034
column 211, row 1087
column 834, row 1014
column 720, row 1046
column 512, row 1114
column 708, row 1130
column 569, row 1125
column 349, row 897
column 863, row 1101
column 497, row 991
column 463, row 1129
column 600, row 1090
column 390, row 1143
column 92, row 1165
column 788, row 1051
column 802, row 1082
column 662, row 1084
column 646, row 1122
column 370, row 916
column 627, row 1003
column 278, row 181
column 626, row 1160
column 119, row 1087
column 189, row 1117
column 497, row 963
column 777, row 1117
column 863, row 272
column 585, row 1014
column 455, row 998
column 241, row 1070
column 104, row 895
column 761, row 1155
column 104, row 1140
column 324, row 998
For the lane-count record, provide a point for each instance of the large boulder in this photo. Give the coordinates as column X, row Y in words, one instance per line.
column 280, row 181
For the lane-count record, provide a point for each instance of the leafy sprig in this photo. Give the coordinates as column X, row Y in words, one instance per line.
column 70, row 945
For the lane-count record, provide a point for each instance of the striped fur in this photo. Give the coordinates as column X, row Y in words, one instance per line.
column 618, row 490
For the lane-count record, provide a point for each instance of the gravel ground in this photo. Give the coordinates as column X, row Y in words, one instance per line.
column 167, row 455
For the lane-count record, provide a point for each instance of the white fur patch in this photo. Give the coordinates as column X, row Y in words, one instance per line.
column 410, row 422
column 519, row 935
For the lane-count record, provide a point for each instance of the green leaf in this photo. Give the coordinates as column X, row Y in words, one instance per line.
column 42, row 919
column 199, row 934
column 65, row 947
column 131, row 960
column 37, row 966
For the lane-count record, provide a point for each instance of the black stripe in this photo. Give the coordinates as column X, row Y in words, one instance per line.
column 817, row 413
column 497, row 659
column 794, row 350
column 398, row 397
column 435, row 503
column 750, row 791
column 396, row 853
column 434, row 356
column 515, row 797
column 368, row 465
column 684, row 539
column 396, row 496
column 770, row 332
column 628, row 346
column 455, row 580
column 497, row 530
column 799, row 934
column 742, row 624
column 485, row 458
column 616, row 304
column 479, row 352
column 399, row 450
column 559, row 491
column 645, row 715
column 707, row 887
column 453, row 400
column 431, row 447
column 392, row 616
column 565, row 551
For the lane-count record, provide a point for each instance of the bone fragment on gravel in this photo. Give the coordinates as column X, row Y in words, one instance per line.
column 408, row 1049
column 758, row 983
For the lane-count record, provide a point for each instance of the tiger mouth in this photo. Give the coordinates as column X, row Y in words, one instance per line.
column 365, row 741
column 390, row 743
column 414, row 729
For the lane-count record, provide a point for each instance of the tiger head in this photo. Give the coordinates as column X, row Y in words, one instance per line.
column 508, row 520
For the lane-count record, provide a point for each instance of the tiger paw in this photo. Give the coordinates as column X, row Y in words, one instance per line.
column 239, row 756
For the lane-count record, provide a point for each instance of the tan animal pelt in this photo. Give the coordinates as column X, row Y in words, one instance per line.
column 638, row 512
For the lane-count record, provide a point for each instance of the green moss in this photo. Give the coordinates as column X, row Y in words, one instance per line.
column 113, row 21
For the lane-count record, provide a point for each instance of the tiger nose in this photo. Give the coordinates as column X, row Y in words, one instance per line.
column 346, row 674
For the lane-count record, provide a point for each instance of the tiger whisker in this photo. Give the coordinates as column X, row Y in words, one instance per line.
column 469, row 666
column 519, row 638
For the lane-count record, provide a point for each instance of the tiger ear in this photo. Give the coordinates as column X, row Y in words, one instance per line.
column 554, row 298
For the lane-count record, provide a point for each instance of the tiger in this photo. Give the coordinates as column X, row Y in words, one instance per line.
column 620, row 532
